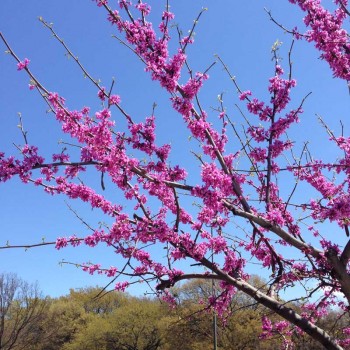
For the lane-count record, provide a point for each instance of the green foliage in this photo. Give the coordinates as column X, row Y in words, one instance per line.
column 87, row 320
column 64, row 319
column 133, row 326
column 94, row 300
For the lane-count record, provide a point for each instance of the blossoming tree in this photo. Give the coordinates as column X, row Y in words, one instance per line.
column 241, row 213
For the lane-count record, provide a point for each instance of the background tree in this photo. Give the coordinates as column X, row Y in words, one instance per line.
column 21, row 312
column 133, row 325
column 241, row 212
column 63, row 319
column 241, row 329
column 96, row 300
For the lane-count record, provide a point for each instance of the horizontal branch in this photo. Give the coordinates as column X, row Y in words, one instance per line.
column 73, row 164
column 28, row 246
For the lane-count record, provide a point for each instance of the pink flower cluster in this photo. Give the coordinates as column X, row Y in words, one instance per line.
column 10, row 166
column 271, row 329
column 329, row 35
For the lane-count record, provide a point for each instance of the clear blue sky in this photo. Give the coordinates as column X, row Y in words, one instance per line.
column 239, row 31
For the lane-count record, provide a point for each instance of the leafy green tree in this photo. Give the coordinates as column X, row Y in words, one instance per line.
column 68, row 315
column 136, row 325
column 97, row 301
column 63, row 318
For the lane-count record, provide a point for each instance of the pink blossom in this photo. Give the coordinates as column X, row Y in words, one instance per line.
column 114, row 100
column 102, row 93
column 91, row 268
column 23, row 64
column 61, row 242
column 168, row 15
column 144, row 8
column 112, row 271
column 100, row 3
column 245, row 94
